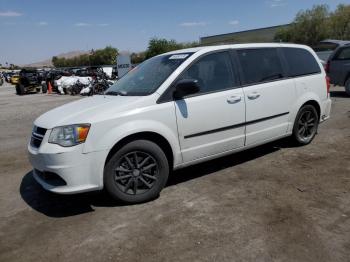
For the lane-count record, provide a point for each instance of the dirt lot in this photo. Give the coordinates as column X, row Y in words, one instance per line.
column 272, row 203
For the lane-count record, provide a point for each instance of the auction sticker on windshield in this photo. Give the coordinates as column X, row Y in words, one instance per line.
column 179, row 56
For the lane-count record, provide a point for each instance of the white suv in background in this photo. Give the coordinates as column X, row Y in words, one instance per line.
column 178, row 109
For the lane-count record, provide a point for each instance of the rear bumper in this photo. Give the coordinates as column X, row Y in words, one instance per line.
column 326, row 110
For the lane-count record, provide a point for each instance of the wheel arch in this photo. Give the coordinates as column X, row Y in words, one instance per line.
column 158, row 139
column 308, row 98
column 315, row 104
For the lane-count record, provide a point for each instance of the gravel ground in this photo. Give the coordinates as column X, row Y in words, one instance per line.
column 272, row 203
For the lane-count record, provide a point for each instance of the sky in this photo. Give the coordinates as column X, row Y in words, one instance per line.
column 35, row 30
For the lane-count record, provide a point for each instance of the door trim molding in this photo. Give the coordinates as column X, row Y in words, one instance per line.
column 234, row 126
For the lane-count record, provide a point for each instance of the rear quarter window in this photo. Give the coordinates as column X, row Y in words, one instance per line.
column 300, row 62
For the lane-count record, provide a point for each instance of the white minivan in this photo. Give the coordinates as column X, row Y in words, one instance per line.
column 178, row 109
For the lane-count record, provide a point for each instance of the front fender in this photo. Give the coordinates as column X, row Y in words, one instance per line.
column 105, row 141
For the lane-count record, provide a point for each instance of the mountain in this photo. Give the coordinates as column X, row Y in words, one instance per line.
column 48, row 63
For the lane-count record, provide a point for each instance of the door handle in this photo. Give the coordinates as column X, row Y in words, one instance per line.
column 253, row 96
column 234, row 99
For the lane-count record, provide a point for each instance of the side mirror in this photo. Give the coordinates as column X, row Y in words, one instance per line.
column 186, row 87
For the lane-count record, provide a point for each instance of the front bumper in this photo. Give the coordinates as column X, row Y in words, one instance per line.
column 80, row 172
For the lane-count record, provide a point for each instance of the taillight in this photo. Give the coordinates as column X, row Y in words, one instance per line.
column 327, row 67
column 328, row 83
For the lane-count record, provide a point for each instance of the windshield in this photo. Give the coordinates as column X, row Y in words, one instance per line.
column 148, row 76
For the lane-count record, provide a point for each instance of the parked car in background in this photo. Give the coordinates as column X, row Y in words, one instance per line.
column 178, row 109
column 7, row 76
column 338, row 67
column 89, row 71
column 326, row 47
column 82, row 72
column 29, row 81
column 42, row 74
column 73, row 70
column 14, row 79
column 53, row 75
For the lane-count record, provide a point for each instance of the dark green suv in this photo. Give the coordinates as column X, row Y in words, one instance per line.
column 29, row 81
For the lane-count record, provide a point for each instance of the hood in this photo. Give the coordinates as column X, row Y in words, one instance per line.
column 87, row 110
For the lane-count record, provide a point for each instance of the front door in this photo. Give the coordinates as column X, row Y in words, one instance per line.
column 213, row 120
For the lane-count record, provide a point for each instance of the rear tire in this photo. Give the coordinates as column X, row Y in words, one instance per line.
column 305, row 125
column 347, row 86
column 137, row 172
column 20, row 89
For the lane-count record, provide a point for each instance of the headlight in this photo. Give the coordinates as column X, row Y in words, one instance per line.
column 69, row 135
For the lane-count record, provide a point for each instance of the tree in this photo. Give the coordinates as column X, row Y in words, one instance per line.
column 284, row 35
column 312, row 26
column 13, row 66
column 106, row 56
column 340, row 22
column 309, row 27
column 137, row 58
column 54, row 60
column 158, row 46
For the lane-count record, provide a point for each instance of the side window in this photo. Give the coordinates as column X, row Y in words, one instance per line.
column 213, row 72
column 260, row 65
column 300, row 62
column 344, row 54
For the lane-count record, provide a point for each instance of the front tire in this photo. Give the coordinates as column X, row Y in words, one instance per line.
column 137, row 172
column 20, row 89
column 44, row 88
column 305, row 125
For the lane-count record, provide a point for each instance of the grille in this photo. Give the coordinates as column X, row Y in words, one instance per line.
column 37, row 136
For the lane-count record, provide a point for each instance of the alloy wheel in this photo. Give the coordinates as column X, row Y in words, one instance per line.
column 136, row 173
column 307, row 125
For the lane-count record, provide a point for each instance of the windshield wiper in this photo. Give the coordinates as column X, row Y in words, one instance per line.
column 116, row 93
